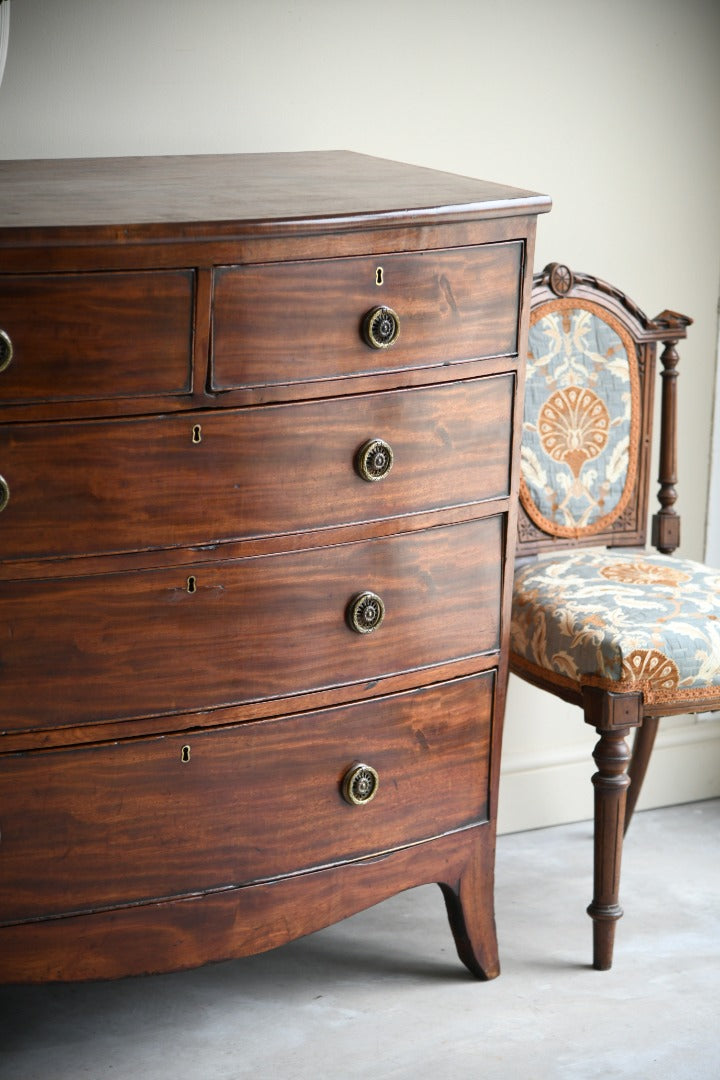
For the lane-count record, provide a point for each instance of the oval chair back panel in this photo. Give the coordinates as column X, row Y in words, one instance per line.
column 588, row 416
column 580, row 433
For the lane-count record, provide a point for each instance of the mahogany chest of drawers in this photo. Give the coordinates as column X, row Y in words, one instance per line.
column 258, row 433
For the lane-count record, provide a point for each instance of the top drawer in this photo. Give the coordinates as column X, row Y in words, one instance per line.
column 298, row 322
column 71, row 337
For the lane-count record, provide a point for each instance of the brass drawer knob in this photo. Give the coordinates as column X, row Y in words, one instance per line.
column 360, row 784
column 4, row 493
column 374, row 460
column 6, row 350
column 365, row 612
column 381, row 328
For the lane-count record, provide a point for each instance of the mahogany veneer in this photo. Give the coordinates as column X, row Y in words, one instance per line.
column 209, row 744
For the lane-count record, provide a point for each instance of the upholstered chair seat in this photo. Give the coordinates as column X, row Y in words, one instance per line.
column 623, row 622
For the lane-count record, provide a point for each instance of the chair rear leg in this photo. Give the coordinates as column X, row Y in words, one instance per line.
column 641, row 750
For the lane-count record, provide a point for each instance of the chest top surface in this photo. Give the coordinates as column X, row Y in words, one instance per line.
column 186, row 196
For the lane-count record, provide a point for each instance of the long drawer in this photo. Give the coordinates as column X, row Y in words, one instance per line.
column 70, row 337
column 106, row 486
column 116, row 823
column 115, row 646
column 299, row 322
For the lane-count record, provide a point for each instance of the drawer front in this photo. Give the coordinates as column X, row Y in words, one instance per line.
column 108, row 486
column 116, row 823
column 297, row 322
column 92, row 336
column 113, row 646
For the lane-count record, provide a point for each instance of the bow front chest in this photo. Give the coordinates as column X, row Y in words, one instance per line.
column 258, row 433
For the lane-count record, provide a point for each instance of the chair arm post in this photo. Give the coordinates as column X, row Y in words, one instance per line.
column 666, row 522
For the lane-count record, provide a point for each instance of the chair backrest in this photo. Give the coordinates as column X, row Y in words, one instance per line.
column 588, row 417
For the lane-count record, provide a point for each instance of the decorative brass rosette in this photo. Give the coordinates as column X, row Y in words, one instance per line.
column 381, row 328
column 374, row 460
column 360, row 784
column 365, row 612
column 6, row 350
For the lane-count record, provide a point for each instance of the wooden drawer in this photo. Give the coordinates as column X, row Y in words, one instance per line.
column 100, row 335
column 110, row 646
column 108, row 486
column 116, row 823
column 298, row 322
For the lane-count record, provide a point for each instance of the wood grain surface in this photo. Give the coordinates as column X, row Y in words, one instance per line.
column 206, row 478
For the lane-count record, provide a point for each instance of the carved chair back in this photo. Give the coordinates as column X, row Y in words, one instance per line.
column 588, row 416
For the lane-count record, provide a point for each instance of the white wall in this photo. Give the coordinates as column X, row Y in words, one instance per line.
column 612, row 108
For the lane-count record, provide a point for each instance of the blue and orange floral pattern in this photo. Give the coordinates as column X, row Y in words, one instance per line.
column 579, row 445
column 622, row 621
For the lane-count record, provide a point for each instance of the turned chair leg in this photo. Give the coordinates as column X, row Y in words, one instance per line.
column 612, row 715
column 611, row 783
column 641, row 750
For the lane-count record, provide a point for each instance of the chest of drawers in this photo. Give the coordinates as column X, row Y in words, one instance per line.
column 258, row 435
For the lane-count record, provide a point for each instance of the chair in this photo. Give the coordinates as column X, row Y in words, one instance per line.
column 628, row 636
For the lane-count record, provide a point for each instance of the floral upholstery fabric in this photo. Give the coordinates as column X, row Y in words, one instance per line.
column 579, row 443
column 622, row 621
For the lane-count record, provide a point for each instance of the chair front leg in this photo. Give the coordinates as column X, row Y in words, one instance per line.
column 612, row 715
column 611, row 783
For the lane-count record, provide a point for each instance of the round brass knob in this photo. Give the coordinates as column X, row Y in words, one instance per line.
column 4, row 493
column 6, row 350
column 381, row 328
column 365, row 613
column 374, row 460
column 360, row 784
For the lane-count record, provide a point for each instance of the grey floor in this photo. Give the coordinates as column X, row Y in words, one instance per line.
column 383, row 996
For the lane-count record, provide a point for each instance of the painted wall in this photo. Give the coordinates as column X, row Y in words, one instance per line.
column 613, row 109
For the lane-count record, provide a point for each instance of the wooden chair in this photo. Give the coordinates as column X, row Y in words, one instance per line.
column 628, row 636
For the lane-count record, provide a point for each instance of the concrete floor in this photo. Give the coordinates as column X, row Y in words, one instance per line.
column 383, row 996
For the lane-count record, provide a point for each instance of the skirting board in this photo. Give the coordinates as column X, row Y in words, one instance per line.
column 554, row 788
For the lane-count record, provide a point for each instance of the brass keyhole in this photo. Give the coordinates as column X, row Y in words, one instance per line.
column 191, row 584
column 185, row 755
column 379, row 276
column 197, row 433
